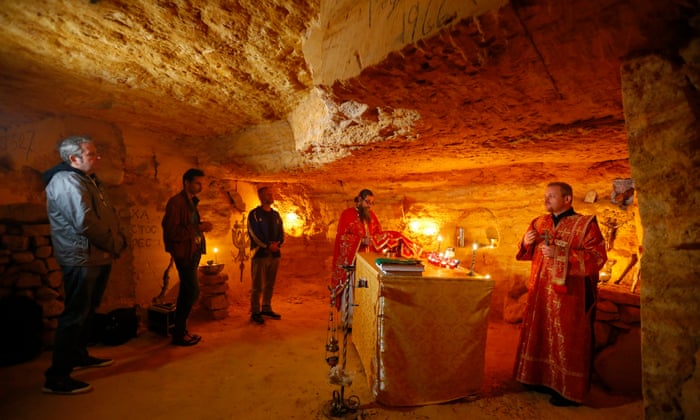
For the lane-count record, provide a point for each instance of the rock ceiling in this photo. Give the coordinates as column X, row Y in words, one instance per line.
column 530, row 82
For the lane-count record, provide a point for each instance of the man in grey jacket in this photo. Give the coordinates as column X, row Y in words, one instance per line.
column 86, row 237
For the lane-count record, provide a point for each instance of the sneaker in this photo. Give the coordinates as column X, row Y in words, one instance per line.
column 65, row 385
column 187, row 340
column 257, row 318
column 92, row 362
column 271, row 314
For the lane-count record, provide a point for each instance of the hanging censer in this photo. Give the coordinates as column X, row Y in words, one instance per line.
column 332, row 346
column 339, row 406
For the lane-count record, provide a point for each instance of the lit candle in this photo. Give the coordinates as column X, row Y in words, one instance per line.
column 216, row 251
column 439, row 243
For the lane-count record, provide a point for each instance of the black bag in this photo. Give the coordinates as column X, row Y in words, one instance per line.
column 115, row 327
column 22, row 326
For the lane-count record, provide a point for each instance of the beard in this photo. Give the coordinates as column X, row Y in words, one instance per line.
column 364, row 214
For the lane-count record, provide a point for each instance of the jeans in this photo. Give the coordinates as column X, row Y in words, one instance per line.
column 84, row 287
column 264, row 273
column 187, row 294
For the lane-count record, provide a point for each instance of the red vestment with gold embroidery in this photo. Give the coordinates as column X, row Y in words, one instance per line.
column 348, row 241
column 556, row 339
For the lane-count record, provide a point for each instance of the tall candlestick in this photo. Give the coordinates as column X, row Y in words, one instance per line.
column 474, row 247
column 216, row 251
column 439, row 243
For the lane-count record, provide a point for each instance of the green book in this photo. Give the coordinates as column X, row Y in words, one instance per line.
column 403, row 261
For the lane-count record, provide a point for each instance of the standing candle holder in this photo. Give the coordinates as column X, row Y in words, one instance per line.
column 471, row 269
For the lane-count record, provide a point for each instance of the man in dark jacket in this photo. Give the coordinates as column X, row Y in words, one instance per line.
column 266, row 237
column 183, row 235
column 86, row 237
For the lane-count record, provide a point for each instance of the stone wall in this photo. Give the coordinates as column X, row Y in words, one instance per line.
column 660, row 95
column 28, row 268
column 213, row 287
column 618, row 342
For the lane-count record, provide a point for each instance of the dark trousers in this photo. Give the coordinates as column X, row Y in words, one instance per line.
column 84, row 287
column 263, row 273
column 188, row 293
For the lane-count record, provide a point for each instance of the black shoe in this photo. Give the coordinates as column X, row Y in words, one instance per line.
column 187, row 340
column 67, row 385
column 257, row 318
column 92, row 362
column 538, row 388
column 272, row 314
column 559, row 401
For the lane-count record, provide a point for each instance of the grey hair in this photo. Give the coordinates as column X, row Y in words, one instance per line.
column 71, row 146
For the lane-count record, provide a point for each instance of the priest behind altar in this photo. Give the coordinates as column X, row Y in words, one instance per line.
column 554, row 353
column 359, row 230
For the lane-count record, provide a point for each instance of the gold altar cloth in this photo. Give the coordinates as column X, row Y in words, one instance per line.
column 421, row 339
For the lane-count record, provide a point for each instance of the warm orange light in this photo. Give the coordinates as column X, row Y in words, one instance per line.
column 423, row 227
column 293, row 224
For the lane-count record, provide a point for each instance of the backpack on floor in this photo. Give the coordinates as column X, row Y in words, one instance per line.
column 22, row 326
column 116, row 327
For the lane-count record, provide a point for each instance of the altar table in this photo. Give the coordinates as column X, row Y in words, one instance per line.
column 421, row 339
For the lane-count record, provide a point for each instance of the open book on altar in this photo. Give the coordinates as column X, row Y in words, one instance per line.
column 403, row 266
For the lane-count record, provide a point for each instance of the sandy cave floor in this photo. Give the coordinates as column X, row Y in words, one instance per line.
column 275, row 371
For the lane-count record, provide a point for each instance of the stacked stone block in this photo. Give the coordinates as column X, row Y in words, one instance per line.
column 618, row 340
column 213, row 298
column 27, row 268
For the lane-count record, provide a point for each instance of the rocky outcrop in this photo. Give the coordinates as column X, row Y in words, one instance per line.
column 28, row 268
column 661, row 106
column 442, row 108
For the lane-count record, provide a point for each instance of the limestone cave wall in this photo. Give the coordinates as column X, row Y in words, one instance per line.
column 661, row 107
column 462, row 126
column 143, row 169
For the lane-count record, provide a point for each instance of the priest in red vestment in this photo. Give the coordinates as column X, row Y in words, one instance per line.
column 567, row 250
column 359, row 230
